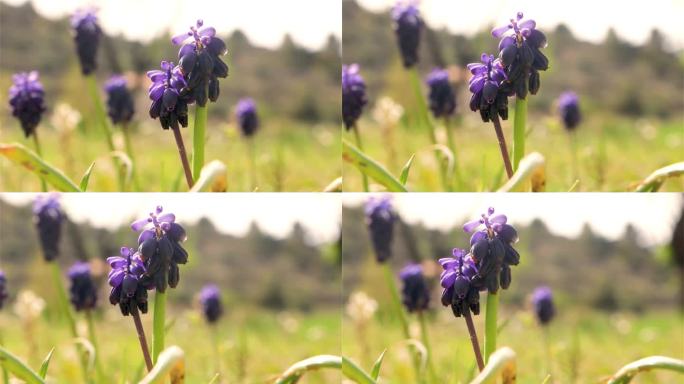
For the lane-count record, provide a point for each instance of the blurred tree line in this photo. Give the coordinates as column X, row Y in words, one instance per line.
column 255, row 270
column 613, row 76
column 291, row 82
column 589, row 270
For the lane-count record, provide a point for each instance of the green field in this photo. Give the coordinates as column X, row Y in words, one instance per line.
column 612, row 154
column 254, row 346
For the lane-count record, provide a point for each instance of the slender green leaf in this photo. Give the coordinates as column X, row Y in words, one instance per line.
column 46, row 364
column 215, row 379
column 170, row 364
column 89, row 349
column 83, row 185
column 370, row 167
column 625, row 374
column 531, row 167
column 501, row 363
column 334, row 186
column 212, row 178
column 405, row 171
column 354, row 373
column 28, row 159
column 125, row 167
column 655, row 180
column 375, row 372
column 16, row 367
column 298, row 369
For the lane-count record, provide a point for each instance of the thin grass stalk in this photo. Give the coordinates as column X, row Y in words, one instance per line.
column 198, row 138
column 125, row 130
column 519, row 123
column 573, row 153
column 252, row 163
column 93, row 340
column 36, row 143
column 456, row 177
column 492, row 308
column 5, row 374
column 357, row 137
column 215, row 344
column 158, row 324
column 425, row 338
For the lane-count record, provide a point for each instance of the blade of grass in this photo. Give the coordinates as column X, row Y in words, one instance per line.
column 16, row 367
column 212, row 178
column 375, row 371
column 46, row 363
column 28, row 159
column 170, row 364
column 625, row 374
column 198, row 137
column 519, row 122
column 526, row 170
column 298, row 369
column 353, row 372
column 655, row 180
column 500, row 362
column 370, row 167
column 83, row 185
column 405, row 171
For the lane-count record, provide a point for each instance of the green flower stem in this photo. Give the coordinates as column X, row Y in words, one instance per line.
column 424, row 121
column 547, row 349
column 473, row 339
column 452, row 146
column 573, row 153
column 142, row 339
column 215, row 345
column 519, row 123
column 101, row 117
column 36, row 143
column 252, row 163
column 93, row 340
column 425, row 338
column 357, row 137
column 5, row 374
column 158, row 324
column 125, row 129
column 183, row 155
column 198, row 137
column 502, row 146
column 490, row 325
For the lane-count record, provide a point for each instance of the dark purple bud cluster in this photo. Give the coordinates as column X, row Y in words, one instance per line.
column 200, row 63
column 380, row 219
column 544, row 309
column 519, row 51
column 27, row 100
column 119, row 100
column 3, row 288
column 246, row 115
column 160, row 249
column 492, row 250
column 48, row 217
column 442, row 97
column 87, row 35
column 461, row 291
column 128, row 291
column 415, row 291
column 210, row 299
column 167, row 104
column 487, row 88
column 83, row 292
column 568, row 107
column 353, row 94
column 407, row 27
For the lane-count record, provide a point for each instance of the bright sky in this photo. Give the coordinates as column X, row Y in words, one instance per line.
column 232, row 213
column 653, row 215
column 265, row 22
column 588, row 19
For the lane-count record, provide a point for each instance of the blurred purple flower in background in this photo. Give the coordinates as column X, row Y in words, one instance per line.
column 568, row 107
column 353, row 94
column 87, row 35
column 407, row 28
column 3, row 288
column 544, row 309
column 380, row 219
column 26, row 98
column 160, row 249
column 83, row 292
column 459, row 280
column 48, row 218
column 441, row 97
column 167, row 105
column 120, row 106
column 488, row 98
column 210, row 299
column 415, row 291
column 245, row 112
column 124, row 278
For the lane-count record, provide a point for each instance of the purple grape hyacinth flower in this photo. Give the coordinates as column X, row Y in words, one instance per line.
column 120, row 106
column 485, row 84
column 245, row 112
column 544, row 309
column 415, row 291
column 353, row 95
column 210, row 299
column 87, row 35
column 128, row 291
column 441, row 97
column 48, row 218
column 27, row 100
column 167, row 104
column 460, row 283
column 3, row 288
column 160, row 249
column 519, row 51
column 380, row 218
column 492, row 249
column 200, row 63
column 407, row 28
column 83, row 292
column 568, row 107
